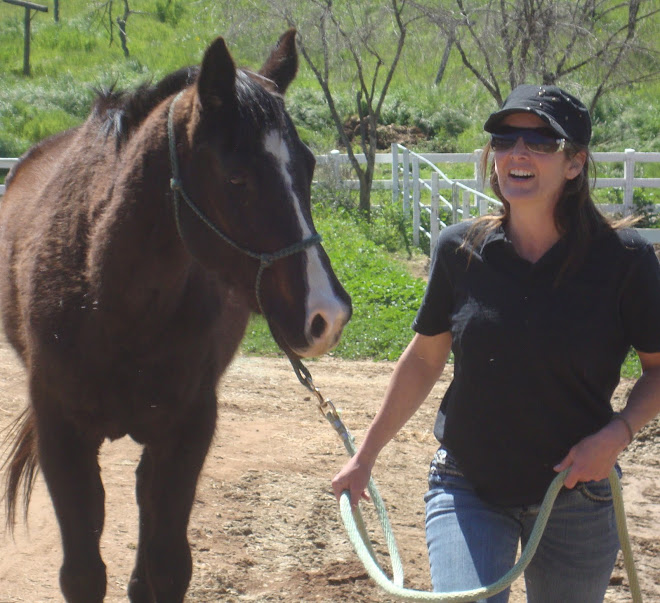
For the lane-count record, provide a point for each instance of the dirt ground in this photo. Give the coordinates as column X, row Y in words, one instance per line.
column 265, row 525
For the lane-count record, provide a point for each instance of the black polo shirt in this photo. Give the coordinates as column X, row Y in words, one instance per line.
column 535, row 361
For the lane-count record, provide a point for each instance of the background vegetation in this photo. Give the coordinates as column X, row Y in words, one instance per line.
column 84, row 52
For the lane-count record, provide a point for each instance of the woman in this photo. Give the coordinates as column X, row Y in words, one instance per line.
column 540, row 305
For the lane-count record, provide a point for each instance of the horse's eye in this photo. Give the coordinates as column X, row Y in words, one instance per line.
column 238, row 179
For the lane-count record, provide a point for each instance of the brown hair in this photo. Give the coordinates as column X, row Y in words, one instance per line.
column 576, row 216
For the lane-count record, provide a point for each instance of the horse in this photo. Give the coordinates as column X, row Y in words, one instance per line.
column 133, row 250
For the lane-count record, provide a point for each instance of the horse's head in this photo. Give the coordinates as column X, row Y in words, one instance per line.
column 243, row 179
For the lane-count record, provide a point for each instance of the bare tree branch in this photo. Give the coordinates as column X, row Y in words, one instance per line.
column 545, row 41
column 327, row 33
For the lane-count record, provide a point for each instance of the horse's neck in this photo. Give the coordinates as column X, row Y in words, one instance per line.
column 136, row 253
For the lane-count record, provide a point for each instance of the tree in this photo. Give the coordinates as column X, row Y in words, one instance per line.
column 104, row 9
column 366, row 38
column 510, row 42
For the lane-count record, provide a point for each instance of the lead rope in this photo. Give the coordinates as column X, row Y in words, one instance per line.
column 178, row 192
column 359, row 538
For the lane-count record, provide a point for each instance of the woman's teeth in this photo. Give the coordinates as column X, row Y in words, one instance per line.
column 520, row 174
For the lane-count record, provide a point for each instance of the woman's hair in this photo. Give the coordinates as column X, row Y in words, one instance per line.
column 576, row 216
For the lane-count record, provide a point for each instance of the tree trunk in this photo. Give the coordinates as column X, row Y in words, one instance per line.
column 365, row 194
column 121, row 21
column 122, row 36
column 443, row 63
column 26, row 43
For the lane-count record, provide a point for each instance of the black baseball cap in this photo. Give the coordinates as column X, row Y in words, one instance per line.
column 564, row 113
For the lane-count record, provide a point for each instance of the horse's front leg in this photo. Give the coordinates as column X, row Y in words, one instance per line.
column 69, row 462
column 139, row 589
column 166, row 482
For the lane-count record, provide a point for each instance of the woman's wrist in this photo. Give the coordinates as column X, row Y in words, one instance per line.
column 620, row 419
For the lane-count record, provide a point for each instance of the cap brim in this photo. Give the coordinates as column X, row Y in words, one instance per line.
column 496, row 118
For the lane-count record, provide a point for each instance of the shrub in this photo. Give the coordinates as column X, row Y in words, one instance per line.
column 170, row 12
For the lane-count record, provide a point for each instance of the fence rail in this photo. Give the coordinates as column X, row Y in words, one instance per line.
column 466, row 195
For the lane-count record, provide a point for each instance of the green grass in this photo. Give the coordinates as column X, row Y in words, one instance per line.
column 385, row 296
column 70, row 58
column 632, row 368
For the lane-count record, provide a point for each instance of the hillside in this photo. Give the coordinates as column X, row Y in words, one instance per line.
column 82, row 52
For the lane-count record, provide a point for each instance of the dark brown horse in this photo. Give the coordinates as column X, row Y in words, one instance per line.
column 132, row 251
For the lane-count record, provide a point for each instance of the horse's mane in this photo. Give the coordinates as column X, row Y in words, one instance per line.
column 121, row 111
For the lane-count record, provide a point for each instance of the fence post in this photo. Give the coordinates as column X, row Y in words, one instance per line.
column 478, row 176
column 435, row 201
column 454, row 202
column 628, row 175
column 416, row 208
column 395, row 173
column 406, row 182
column 336, row 174
column 479, row 202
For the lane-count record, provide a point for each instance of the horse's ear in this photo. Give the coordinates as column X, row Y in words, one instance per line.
column 216, row 84
column 282, row 64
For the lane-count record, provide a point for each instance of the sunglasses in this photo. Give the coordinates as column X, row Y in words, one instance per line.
column 536, row 140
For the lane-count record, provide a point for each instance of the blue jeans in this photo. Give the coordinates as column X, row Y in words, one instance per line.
column 472, row 543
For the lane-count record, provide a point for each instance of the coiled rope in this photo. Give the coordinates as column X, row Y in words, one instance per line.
column 355, row 527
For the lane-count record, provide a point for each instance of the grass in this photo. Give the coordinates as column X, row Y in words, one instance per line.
column 385, row 295
column 70, row 58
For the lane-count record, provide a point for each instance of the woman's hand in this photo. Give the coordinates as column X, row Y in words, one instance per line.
column 593, row 457
column 415, row 374
column 353, row 477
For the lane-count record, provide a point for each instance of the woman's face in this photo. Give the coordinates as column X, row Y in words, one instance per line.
column 528, row 179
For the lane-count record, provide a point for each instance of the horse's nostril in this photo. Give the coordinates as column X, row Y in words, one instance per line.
column 318, row 326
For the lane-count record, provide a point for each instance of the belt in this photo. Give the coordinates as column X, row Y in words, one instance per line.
column 443, row 463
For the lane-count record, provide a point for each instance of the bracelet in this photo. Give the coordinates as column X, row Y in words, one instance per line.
column 620, row 417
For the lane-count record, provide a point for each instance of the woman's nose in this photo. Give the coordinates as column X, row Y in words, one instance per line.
column 519, row 148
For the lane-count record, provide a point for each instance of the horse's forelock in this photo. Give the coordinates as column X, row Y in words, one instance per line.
column 257, row 104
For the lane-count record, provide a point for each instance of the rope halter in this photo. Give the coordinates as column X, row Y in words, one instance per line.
column 265, row 259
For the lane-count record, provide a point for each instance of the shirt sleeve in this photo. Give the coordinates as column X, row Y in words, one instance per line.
column 640, row 302
column 434, row 315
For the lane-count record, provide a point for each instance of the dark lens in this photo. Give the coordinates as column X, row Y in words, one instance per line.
column 537, row 140
column 502, row 142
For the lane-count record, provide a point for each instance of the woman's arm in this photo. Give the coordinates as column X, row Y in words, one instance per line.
column 415, row 374
column 593, row 457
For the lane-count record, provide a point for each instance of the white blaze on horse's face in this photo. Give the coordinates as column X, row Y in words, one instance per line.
column 326, row 313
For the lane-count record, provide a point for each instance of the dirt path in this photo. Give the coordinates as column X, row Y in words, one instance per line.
column 265, row 526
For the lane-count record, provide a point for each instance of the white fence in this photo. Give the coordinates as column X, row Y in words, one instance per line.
column 5, row 164
column 466, row 195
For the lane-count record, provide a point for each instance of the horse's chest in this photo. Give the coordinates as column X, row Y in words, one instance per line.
column 133, row 379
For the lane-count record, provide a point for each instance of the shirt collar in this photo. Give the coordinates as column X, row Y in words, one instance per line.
column 498, row 239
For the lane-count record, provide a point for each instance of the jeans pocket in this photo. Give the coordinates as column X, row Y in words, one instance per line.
column 598, row 491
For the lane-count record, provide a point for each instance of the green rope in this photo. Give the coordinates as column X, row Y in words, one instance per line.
column 353, row 521
column 358, row 536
